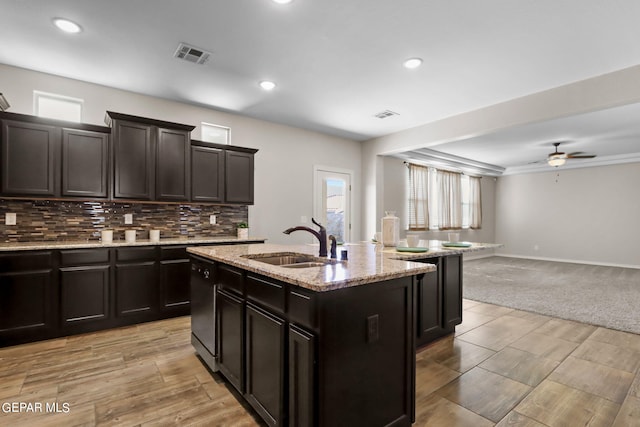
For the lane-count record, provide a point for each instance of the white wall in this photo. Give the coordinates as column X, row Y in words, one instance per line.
column 395, row 198
column 283, row 166
column 587, row 215
column 606, row 91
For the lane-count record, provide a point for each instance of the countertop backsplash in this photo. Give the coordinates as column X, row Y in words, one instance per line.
column 54, row 220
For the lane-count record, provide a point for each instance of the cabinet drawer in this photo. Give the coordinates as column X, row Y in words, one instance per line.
column 302, row 307
column 173, row 252
column 135, row 254
column 266, row 292
column 26, row 260
column 84, row 257
column 229, row 278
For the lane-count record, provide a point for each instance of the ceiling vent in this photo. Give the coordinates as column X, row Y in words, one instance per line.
column 191, row 54
column 386, row 113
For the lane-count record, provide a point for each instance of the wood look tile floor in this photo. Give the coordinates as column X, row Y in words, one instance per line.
column 501, row 368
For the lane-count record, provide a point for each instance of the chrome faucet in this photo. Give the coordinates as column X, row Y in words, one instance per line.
column 321, row 235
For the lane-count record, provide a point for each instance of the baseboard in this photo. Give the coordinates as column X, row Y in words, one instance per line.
column 478, row 255
column 572, row 261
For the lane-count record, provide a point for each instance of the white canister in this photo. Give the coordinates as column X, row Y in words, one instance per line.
column 130, row 236
column 390, row 229
column 106, row 236
column 154, row 235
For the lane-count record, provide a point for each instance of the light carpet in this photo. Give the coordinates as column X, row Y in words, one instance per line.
column 597, row 295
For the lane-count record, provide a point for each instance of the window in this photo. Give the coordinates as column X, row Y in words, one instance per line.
column 56, row 106
column 215, row 133
column 443, row 200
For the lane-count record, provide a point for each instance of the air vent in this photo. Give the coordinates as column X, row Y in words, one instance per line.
column 191, row 54
column 386, row 113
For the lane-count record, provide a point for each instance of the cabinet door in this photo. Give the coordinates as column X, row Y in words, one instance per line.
column 429, row 307
column 452, row 286
column 173, row 174
column 238, row 177
column 230, row 320
column 265, row 348
column 25, row 306
column 84, row 295
column 134, row 160
column 84, row 163
column 207, row 174
column 30, row 155
column 136, row 289
column 174, row 286
column 301, row 377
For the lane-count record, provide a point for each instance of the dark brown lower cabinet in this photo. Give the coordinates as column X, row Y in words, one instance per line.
column 230, row 322
column 301, row 377
column 26, row 289
column 174, row 286
column 84, row 295
column 265, row 349
column 136, row 288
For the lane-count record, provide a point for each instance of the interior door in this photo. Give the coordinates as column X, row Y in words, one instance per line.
column 332, row 202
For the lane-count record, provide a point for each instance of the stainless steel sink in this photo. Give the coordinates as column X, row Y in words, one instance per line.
column 291, row 260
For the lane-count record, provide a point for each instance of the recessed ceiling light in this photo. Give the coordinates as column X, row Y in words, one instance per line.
column 282, row 1
column 66, row 25
column 267, row 85
column 412, row 63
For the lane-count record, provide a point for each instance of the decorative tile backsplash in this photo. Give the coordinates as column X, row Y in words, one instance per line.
column 54, row 220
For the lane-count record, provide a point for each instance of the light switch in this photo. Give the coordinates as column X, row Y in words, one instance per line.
column 10, row 219
column 128, row 218
column 212, row 220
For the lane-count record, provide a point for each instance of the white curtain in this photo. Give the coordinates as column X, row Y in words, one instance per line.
column 418, row 197
column 450, row 203
column 475, row 203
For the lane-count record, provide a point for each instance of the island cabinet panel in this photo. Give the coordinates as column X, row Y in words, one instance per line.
column 366, row 356
column 85, row 163
column 452, row 284
column 264, row 358
column 173, row 165
column 439, row 299
column 27, row 286
column 207, row 174
column 301, row 372
column 134, row 160
column 239, row 177
column 230, row 338
column 30, row 157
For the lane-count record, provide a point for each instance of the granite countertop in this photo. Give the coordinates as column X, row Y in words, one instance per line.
column 367, row 263
column 79, row 244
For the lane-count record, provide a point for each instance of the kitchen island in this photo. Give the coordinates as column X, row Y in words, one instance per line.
column 325, row 345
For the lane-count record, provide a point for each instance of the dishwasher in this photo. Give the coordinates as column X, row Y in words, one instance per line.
column 203, row 314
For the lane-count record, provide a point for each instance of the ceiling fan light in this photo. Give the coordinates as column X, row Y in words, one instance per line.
column 556, row 161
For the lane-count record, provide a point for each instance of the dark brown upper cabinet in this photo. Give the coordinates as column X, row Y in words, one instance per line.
column 173, row 174
column 151, row 158
column 52, row 158
column 239, row 177
column 85, row 163
column 222, row 173
column 207, row 174
column 29, row 159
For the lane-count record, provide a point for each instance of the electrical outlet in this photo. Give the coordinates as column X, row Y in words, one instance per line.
column 10, row 219
column 128, row 218
column 212, row 220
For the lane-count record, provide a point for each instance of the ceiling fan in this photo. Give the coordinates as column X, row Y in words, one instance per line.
column 558, row 158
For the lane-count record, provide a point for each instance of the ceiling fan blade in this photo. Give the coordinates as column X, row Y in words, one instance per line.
column 585, row 156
